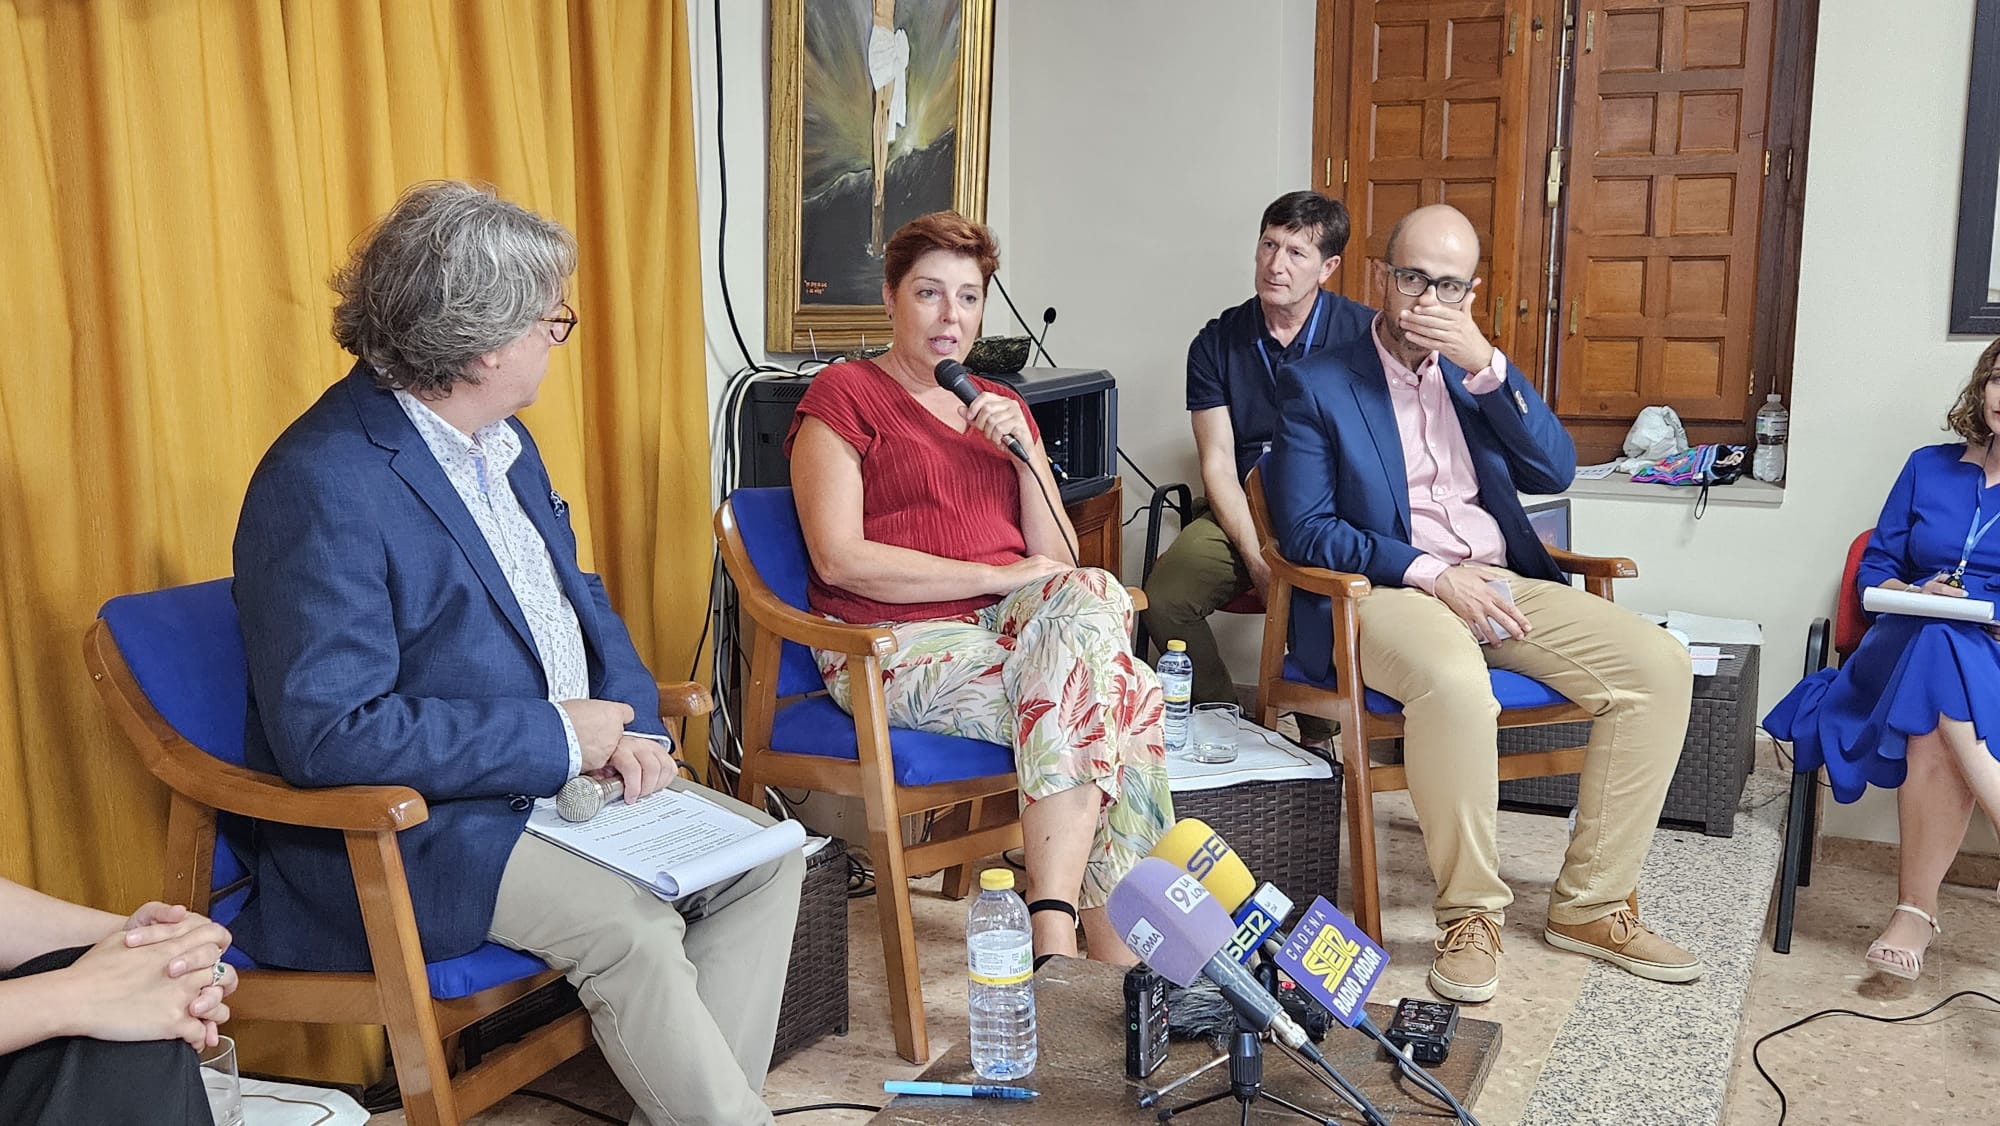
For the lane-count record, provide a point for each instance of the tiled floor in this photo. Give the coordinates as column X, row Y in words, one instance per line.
column 1945, row 1069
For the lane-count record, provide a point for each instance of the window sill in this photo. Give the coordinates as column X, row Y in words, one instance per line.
column 1745, row 493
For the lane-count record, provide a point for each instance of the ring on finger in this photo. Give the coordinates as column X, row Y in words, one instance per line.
column 219, row 971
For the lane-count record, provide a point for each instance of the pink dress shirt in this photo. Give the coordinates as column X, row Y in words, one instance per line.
column 1447, row 522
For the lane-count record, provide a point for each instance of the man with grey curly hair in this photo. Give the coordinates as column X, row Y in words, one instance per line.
column 413, row 615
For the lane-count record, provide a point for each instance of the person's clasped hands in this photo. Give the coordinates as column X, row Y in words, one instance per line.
column 161, row 977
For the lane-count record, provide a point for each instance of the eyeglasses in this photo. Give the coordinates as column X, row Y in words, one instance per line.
column 1412, row 283
column 566, row 322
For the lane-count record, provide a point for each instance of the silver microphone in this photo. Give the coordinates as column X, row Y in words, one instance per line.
column 582, row 797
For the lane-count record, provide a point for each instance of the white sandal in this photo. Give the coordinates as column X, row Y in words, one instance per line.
column 1900, row 961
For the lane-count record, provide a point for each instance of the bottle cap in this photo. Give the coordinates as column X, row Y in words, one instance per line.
column 1772, row 397
column 1176, row 646
column 996, row 879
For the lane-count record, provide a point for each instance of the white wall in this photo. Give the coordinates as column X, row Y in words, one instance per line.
column 1134, row 146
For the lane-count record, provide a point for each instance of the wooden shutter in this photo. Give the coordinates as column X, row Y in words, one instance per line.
column 1666, row 182
column 1437, row 96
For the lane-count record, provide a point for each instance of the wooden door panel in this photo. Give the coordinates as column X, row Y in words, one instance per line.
column 1437, row 95
column 1666, row 182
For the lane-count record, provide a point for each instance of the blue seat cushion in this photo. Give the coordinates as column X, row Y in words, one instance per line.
column 817, row 726
column 490, row 965
column 1510, row 688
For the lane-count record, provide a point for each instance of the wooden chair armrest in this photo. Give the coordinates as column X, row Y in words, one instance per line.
column 1594, row 566
column 1138, row 597
column 794, row 624
column 685, row 697
column 1317, row 580
column 201, row 777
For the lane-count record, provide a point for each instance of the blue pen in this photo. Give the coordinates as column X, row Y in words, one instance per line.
column 966, row 1090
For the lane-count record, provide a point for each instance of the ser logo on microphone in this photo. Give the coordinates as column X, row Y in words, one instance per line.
column 1333, row 961
column 1206, row 857
column 1250, row 932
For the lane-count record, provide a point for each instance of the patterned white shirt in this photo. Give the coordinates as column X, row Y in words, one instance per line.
column 477, row 468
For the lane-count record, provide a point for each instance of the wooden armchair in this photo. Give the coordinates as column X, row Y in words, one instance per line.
column 794, row 735
column 1367, row 716
column 169, row 667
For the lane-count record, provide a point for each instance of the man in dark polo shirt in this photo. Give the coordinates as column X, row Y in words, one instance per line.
column 1231, row 396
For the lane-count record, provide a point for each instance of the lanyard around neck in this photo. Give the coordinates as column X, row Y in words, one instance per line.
column 1307, row 333
column 1976, row 530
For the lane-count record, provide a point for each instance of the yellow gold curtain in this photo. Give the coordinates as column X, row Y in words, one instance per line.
column 177, row 180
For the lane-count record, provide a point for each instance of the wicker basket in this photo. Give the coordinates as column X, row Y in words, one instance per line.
column 1715, row 760
column 1287, row 832
column 815, row 1000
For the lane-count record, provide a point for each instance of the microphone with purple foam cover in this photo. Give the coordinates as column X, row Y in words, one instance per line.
column 955, row 378
column 1200, row 851
column 1171, row 922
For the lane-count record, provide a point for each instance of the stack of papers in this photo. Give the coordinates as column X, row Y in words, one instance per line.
column 673, row 843
column 1916, row 604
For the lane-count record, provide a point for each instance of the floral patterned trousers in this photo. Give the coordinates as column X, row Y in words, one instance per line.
column 1049, row 671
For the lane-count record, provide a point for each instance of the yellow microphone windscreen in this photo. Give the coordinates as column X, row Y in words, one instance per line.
column 1200, row 851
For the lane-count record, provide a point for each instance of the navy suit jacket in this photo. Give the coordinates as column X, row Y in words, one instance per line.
column 386, row 648
column 1339, row 492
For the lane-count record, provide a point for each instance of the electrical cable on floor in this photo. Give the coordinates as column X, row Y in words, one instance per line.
column 1783, row 1105
column 826, row 1106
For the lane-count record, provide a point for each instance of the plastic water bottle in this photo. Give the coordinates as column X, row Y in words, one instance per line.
column 1000, row 957
column 1177, row 685
column 1773, row 425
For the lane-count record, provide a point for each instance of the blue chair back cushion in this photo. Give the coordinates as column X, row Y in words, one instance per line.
column 1510, row 688
column 769, row 523
column 186, row 653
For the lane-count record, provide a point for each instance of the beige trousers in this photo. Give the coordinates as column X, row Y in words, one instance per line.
column 683, row 998
column 1628, row 673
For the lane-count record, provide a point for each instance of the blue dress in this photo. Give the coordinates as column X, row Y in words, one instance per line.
column 1857, row 720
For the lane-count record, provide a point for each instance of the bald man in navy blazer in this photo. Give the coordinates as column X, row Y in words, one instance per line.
column 1400, row 456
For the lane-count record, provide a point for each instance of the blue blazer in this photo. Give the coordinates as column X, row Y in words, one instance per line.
column 386, row 648
column 1339, row 493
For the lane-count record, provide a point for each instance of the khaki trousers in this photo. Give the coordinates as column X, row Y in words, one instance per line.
column 683, row 998
column 1628, row 673
column 1197, row 575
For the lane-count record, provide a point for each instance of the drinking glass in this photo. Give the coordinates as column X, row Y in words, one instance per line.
column 218, row 1078
column 1214, row 733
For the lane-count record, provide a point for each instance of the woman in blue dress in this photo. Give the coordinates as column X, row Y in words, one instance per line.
column 1917, row 707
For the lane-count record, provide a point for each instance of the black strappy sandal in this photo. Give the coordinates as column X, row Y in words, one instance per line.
column 1051, row 905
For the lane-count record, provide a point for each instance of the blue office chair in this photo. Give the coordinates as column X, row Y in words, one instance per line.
column 169, row 666
column 795, row 736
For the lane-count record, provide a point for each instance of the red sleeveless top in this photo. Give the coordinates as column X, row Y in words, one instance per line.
column 924, row 486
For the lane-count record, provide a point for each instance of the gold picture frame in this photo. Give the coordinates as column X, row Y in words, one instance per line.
column 836, row 69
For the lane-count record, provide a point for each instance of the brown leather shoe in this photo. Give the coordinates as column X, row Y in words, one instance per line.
column 1622, row 940
column 1467, row 967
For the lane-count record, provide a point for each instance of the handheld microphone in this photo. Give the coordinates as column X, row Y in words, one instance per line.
column 951, row 375
column 1195, row 848
column 1181, row 931
column 1257, row 919
column 584, row 796
column 1048, row 318
column 1202, row 853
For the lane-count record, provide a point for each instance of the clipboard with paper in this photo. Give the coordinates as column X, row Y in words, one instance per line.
column 673, row 843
